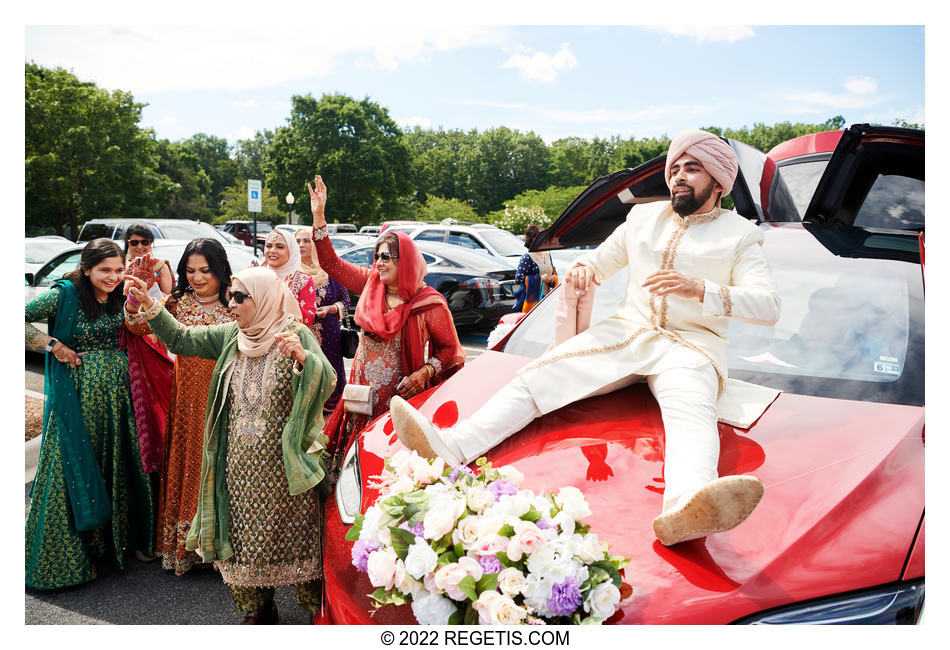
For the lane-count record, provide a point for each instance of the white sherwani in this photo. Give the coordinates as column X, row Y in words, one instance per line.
column 651, row 334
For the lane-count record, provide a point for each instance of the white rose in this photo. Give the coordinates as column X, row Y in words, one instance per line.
column 543, row 505
column 421, row 559
column 381, row 568
column 402, row 485
column 422, row 472
column 447, row 579
column 400, row 462
column 537, row 592
column 602, row 600
column 478, row 498
column 472, row 567
column 370, row 529
column 542, row 561
column 504, row 611
column 566, row 523
column 432, row 609
column 571, row 500
column 404, row 582
column 587, row 548
column 440, row 519
column 509, row 473
column 483, row 606
column 467, row 532
column 514, row 504
column 511, row 581
column 527, row 539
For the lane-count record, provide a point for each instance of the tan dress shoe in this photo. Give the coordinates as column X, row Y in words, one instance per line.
column 718, row 506
column 418, row 434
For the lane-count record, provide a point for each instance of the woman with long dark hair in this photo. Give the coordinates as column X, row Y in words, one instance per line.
column 400, row 318
column 259, row 516
column 536, row 275
column 90, row 497
column 200, row 298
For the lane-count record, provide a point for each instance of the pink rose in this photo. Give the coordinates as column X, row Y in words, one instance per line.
column 381, row 568
column 527, row 539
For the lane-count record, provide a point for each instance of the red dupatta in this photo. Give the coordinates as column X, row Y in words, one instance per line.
column 371, row 310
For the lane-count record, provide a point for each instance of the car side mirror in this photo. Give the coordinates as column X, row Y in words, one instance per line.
column 29, row 279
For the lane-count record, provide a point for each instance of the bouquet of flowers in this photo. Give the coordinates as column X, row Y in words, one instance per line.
column 471, row 547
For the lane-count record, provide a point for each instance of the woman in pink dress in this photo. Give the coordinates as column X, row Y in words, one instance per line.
column 282, row 256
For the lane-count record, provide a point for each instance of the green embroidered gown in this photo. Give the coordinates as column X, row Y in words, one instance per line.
column 56, row 554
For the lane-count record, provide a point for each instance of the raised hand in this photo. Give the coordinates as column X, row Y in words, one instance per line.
column 138, row 291
column 318, row 201
column 142, row 268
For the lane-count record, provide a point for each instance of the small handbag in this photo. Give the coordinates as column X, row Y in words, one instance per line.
column 359, row 399
column 349, row 340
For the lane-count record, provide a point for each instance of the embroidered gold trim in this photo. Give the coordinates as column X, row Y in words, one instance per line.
column 540, row 363
column 726, row 301
column 320, row 233
column 271, row 575
column 669, row 256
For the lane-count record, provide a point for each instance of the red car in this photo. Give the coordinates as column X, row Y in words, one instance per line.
column 839, row 535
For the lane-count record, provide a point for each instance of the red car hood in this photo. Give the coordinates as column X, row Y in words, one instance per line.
column 844, row 495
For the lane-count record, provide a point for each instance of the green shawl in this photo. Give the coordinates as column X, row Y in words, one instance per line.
column 88, row 498
column 304, row 469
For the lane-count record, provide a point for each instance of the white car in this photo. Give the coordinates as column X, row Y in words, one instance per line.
column 39, row 250
column 481, row 237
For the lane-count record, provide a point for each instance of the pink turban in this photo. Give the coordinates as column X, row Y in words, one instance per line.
column 715, row 155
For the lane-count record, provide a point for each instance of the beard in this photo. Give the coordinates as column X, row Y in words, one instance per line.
column 687, row 204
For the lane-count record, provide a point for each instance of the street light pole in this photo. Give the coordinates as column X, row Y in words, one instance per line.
column 290, row 206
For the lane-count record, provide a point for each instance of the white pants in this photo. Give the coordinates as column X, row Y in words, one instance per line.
column 687, row 399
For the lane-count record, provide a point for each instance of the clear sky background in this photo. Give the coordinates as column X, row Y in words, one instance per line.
column 557, row 80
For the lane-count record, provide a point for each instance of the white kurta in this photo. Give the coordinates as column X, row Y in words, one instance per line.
column 648, row 334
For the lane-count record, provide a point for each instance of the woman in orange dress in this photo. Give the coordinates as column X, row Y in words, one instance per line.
column 199, row 299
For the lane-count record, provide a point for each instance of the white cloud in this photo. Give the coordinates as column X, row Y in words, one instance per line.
column 860, row 92
column 709, row 33
column 251, row 104
column 243, row 132
column 415, row 120
column 861, row 85
column 539, row 66
column 145, row 59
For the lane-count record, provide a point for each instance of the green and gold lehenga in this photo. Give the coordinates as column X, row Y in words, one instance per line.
column 57, row 554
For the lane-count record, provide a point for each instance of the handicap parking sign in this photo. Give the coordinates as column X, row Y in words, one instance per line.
column 254, row 202
column 254, row 194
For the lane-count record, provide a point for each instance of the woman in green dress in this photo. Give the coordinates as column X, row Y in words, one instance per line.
column 90, row 497
column 260, row 507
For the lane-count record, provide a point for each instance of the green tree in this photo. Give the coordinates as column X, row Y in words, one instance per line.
column 357, row 149
column 499, row 164
column 186, row 197
column 576, row 161
column 436, row 209
column 435, row 162
column 250, row 156
column 85, row 155
column 214, row 155
column 234, row 205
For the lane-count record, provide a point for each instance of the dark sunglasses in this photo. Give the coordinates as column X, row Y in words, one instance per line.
column 140, row 242
column 385, row 256
column 238, row 296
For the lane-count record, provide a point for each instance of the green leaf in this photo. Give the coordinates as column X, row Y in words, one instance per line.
column 532, row 515
column 471, row 616
column 353, row 533
column 503, row 558
column 506, row 531
column 456, row 618
column 447, row 558
column 467, row 586
column 459, row 551
column 416, row 497
column 608, row 568
column 597, row 575
column 581, row 529
column 402, row 540
column 488, row 582
column 412, row 510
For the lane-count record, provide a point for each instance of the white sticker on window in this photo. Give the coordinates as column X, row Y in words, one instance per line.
column 887, row 368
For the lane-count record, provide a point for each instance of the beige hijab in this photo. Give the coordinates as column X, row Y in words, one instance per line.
column 276, row 309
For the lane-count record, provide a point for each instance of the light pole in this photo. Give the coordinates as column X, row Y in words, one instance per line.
column 290, row 205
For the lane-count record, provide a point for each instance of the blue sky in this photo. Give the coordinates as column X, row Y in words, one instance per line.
column 557, row 80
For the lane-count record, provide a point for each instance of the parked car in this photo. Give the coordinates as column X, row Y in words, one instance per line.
column 477, row 289
column 239, row 256
column 334, row 228
column 243, row 230
column 483, row 238
column 39, row 250
column 839, row 534
column 345, row 241
column 186, row 229
column 370, row 230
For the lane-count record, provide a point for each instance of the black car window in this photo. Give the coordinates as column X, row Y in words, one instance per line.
column 792, row 188
column 92, row 231
column 431, row 235
column 894, row 202
column 61, row 267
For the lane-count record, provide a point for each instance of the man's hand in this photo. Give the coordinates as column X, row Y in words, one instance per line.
column 670, row 282
column 581, row 276
column 318, row 201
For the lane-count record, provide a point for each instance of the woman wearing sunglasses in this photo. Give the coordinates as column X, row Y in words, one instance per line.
column 138, row 241
column 399, row 316
column 258, row 517
column 200, row 298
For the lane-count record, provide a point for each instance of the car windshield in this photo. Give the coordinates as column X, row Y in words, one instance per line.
column 506, row 244
column 849, row 329
column 92, row 231
column 39, row 251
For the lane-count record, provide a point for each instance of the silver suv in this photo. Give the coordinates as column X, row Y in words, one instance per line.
column 185, row 229
column 481, row 237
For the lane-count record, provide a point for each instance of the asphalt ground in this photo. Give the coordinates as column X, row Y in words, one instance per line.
column 144, row 593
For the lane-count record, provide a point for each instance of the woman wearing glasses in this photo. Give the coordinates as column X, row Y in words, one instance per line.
column 258, row 517
column 200, row 298
column 399, row 316
column 138, row 241
column 333, row 303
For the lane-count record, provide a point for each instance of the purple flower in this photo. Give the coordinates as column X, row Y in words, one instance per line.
column 360, row 554
column 453, row 476
column 501, row 488
column 489, row 564
column 415, row 530
column 565, row 597
column 545, row 523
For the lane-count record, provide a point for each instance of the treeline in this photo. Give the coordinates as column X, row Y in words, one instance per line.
column 86, row 157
